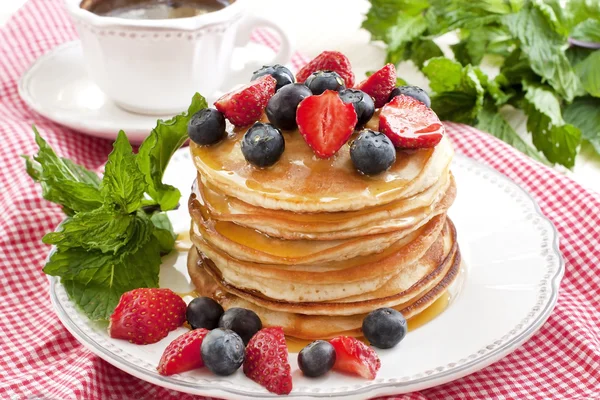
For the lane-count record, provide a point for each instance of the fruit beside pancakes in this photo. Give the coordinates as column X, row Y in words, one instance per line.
column 329, row 231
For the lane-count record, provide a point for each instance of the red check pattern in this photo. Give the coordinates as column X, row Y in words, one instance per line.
column 40, row 359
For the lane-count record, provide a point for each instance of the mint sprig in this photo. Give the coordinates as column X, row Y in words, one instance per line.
column 116, row 228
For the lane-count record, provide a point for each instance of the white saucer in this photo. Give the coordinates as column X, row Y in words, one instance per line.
column 57, row 86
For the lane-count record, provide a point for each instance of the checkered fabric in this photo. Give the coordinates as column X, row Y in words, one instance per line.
column 39, row 358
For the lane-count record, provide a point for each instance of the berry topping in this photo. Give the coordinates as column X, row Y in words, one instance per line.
column 145, row 316
column 267, row 361
column 410, row 124
column 362, row 102
column 372, row 152
column 413, row 91
column 246, row 105
column 320, row 81
column 222, row 351
column 282, row 75
column 380, row 84
column 317, row 358
column 384, row 327
column 183, row 353
column 206, row 127
column 326, row 122
column 262, row 145
column 281, row 109
column 328, row 61
column 355, row 357
column 242, row 321
column 203, row 312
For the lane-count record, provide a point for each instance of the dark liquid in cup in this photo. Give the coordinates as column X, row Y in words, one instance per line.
column 153, row 9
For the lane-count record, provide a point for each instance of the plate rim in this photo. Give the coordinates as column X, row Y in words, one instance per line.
column 427, row 380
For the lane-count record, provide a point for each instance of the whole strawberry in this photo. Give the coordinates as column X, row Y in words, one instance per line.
column 247, row 104
column 328, row 61
column 380, row 84
column 183, row 354
column 266, row 361
column 354, row 357
column 145, row 316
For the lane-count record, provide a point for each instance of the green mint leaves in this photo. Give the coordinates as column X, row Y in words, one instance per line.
column 116, row 229
column 556, row 85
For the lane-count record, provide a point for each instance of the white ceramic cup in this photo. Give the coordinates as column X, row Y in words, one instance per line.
column 155, row 66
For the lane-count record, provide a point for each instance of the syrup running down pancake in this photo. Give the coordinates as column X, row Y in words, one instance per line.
column 312, row 245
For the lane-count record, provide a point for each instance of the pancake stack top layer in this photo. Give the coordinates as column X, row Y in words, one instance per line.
column 312, row 245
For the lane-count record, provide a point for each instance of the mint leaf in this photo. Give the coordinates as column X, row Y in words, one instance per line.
column 407, row 29
column 163, row 232
column 97, row 290
column 589, row 73
column 123, row 182
column 587, row 31
column 158, row 148
column 489, row 120
column 458, row 91
column 477, row 42
column 423, row 50
column 64, row 182
column 384, row 14
column 538, row 31
column 551, row 134
column 577, row 54
column 584, row 113
column 69, row 263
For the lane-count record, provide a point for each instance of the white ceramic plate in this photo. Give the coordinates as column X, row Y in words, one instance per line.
column 512, row 270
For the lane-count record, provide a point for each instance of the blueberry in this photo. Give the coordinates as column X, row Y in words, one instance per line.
column 262, row 145
column 320, row 81
column 384, row 327
column 242, row 321
column 316, row 358
column 282, row 75
column 281, row 108
column 223, row 351
column 413, row 91
column 206, row 127
column 203, row 312
column 362, row 102
column 372, row 152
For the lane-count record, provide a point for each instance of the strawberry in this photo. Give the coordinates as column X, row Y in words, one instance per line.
column 183, row 354
column 355, row 357
column 328, row 61
column 246, row 105
column 325, row 122
column 266, row 361
column 145, row 316
column 410, row 124
column 380, row 84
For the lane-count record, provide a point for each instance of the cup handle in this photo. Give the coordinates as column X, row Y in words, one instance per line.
column 251, row 22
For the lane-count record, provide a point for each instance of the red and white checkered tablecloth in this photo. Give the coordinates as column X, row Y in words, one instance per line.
column 40, row 359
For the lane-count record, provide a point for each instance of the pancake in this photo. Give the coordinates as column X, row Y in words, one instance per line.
column 301, row 182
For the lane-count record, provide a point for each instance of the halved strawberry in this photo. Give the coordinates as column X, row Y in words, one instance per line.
column 266, row 361
column 145, row 316
column 246, row 105
column 328, row 61
column 355, row 357
column 410, row 124
column 380, row 84
column 325, row 122
column 183, row 354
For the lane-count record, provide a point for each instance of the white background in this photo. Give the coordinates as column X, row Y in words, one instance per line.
column 335, row 25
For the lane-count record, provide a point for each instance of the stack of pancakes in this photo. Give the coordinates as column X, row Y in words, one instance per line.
column 312, row 245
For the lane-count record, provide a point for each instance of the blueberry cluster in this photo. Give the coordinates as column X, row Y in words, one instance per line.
column 230, row 331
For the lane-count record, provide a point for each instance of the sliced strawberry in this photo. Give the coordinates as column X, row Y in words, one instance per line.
column 266, row 361
column 246, row 105
column 355, row 357
column 145, row 316
column 410, row 124
column 325, row 122
column 380, row 84
column 183, row 354
column 328, row 61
